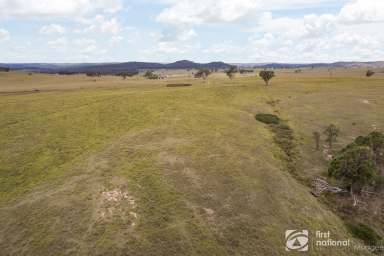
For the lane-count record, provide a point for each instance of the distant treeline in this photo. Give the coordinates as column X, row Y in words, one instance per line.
column 4, row 69
column 98, row 73
column 245, row 71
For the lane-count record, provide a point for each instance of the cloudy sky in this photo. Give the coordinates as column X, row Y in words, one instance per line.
column 200, row 30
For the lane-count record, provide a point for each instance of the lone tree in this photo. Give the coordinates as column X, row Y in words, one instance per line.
column 202, row 73
column 231, row 72
column 369, row 73
column 316, row 136
column 331, row 132
column 267, row 75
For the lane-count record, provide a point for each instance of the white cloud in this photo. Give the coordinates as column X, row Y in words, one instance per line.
column 176, row 35
column 4, row 35
column 315, row 37
column 363, row 11
column 203, row 11
column 56, row 8
column 101, row 24
column 116, row 39
column 83, row 46
column 52, row 29
column 183, row 12
column 60, row 43
column 224, row 48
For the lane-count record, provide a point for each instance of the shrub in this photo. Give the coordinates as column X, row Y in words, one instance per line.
column 178, row 85
column 369, row 73
column 151, row 75
column 354, row 166
column 284, row 138
column 268, row 118
column 365, row 233
column 360, row 163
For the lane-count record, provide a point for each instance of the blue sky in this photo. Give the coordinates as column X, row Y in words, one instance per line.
column 200, row 30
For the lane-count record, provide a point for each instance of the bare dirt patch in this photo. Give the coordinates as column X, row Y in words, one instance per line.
column 117, row 204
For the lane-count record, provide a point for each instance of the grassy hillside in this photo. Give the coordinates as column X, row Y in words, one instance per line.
column 113, row 167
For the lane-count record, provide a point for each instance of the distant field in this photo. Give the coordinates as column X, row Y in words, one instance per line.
column 106, row 166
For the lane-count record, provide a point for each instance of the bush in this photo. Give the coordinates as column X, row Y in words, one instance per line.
column 365, row 233
column 369, row 73
column 284, row 138
column 151, row 75
column 268, row 118
column 355, row 167
column 360, row 163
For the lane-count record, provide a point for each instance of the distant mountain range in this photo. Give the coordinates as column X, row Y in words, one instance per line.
column 112, row 68
column 372, row 64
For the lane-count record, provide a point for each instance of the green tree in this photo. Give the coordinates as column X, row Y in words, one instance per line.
column 150, row 75
column 355, row 167
column 360, row 163
column 267, row 75
column 202, row 73
column 231, row 72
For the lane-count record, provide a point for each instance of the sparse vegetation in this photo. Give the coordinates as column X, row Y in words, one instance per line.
column 267, row 75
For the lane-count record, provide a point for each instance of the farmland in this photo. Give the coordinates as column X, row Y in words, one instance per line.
column 106, row 166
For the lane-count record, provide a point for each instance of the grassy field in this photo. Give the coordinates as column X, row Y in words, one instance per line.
column 131, row 167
